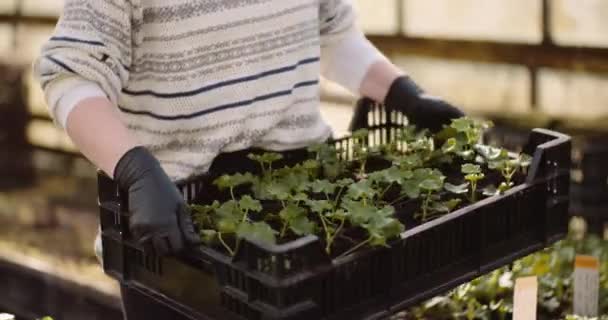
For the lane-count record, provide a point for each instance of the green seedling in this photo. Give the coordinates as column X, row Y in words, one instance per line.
column 462, row 136
column 377, row 222
column 473, row 175
column 424, row 183
column 327, row 157
column 232, row 181
column 383, row 180
column 361, row 151
column 265, row 161
column 508, row 166
column 215, row 221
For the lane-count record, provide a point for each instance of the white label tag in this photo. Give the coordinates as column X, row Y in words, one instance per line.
column 524, row 299
column 586, row 286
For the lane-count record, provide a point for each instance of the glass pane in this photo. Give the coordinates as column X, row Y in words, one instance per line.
column 6, row 40
column 580, row 22
column 30, row 39
column 479, row 87
column 35, row 100
column 42, row 8
column 379, row 16
column 499, row 20
column 564, row 93
column 7, row 6
column 46, row 134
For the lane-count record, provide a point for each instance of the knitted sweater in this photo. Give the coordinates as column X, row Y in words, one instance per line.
column 196, row 78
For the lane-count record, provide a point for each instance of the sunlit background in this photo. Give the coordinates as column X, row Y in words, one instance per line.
column 522, row 59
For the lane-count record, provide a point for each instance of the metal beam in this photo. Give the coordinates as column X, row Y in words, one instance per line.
column 21, row 19
column 532, row 55
column 546, row 54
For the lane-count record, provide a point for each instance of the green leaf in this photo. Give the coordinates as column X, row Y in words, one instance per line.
column 382, row 228
column 228, row 209
column 338, row 214
column 357, row 213
column 229, row 217
column 301, row 225
column 411, row 188
column 247, row 203
column 257, row 232
column 345, row 182
column 457, row 189
column 431, row 185
column 223, row 182
column 231, row 181
column 310, row 165
column 488, row 152
column 439, row 207
column 410, row 162
column 525, row 160
column 446, row 133
column 470, row 168
column 505, row 186
column 452, row 204
column 462, row 124
column 377, row 240
column 361, row 189
column 228, row 224
column 360, row 134
column 450, row 145
column 323, row 186
column 208, row 236
column 386, row 211
column 299, row 197
column 319, row 206
column 473, row 177
column 279, row 191
column 205, row 210
column 271, row 157
column 291, row 212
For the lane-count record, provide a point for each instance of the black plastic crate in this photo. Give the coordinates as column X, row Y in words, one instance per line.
column 589, row 175
column 298, row 281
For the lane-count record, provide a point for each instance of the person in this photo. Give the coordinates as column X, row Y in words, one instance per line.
column 153, row 91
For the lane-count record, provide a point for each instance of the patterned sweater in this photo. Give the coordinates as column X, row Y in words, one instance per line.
column 196, row 78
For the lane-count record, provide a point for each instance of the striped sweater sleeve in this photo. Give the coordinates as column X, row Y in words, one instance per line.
column 91, row 45
column 346, row 54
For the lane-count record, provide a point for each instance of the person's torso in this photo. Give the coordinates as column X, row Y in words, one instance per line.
column 222, row 75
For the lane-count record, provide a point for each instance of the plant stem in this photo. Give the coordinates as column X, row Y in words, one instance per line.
column 385, row 191
column 473, row 191
column 232, row 193
column 284, row 229
column 331, row 240
column 355, row 248
column 426, row 205
column 338, row 196
column 401, row 197
column 327, row 235
column 230, row 251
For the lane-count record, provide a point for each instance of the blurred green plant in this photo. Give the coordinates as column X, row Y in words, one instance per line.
column 490, row 296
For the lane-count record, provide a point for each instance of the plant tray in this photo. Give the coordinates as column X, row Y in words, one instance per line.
column 297, row 280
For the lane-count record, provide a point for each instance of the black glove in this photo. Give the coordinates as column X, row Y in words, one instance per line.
column 424, row 111
column 159, row 218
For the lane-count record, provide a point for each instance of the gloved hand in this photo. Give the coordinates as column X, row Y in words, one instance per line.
column 159, row 218
column 422, row 110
